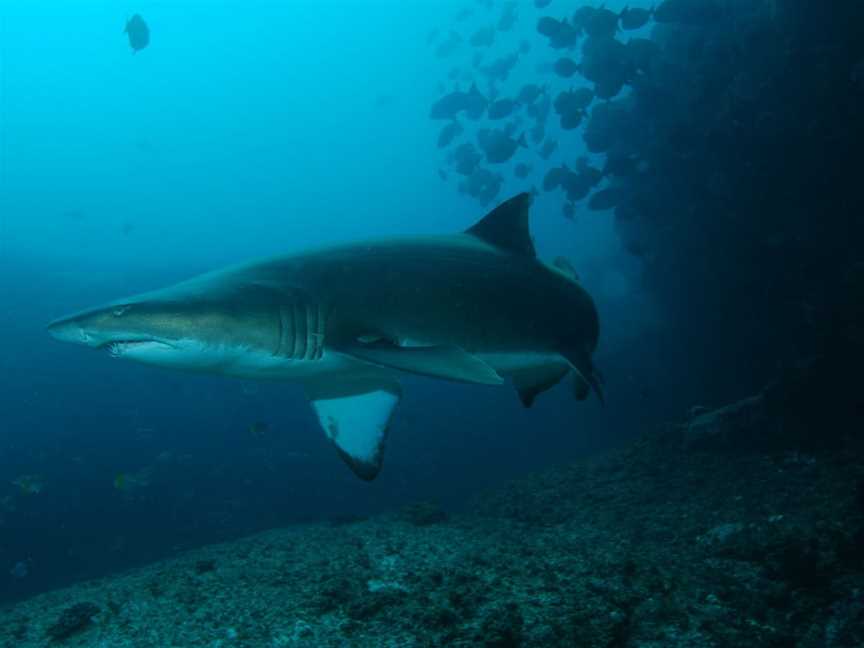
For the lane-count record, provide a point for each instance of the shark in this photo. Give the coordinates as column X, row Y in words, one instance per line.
column 348, row 320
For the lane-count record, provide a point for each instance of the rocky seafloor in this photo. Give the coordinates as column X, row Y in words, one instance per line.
column 740, row 527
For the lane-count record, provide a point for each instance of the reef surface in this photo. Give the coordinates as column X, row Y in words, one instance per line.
column 730, row 529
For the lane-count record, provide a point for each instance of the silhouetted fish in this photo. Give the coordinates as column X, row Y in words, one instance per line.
column 548, row 149
column 566, row 67
column 553, row 178
column 483, row 37
column 560, row 33
column 634, row 18
column 450, row 105
column 498, row 145
column 529, row 93
column 691, row 12
column 447, row 47
column 508, row 17
column 138, row 33
column 606, row 198
column 450, row 132
column 501, row 109
column 465, row 159
column 521, row 170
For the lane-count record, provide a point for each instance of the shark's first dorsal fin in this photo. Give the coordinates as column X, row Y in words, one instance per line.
column 506, row 226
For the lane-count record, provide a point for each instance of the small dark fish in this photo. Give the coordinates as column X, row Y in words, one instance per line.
column 483, row 37
column 450, row 132
column 442, row 174
column 641, row 53
column 608, row 87
column 475, row 103
column 606, row 198
column 553, row 178
column 498, row 145
column 465, row 159
column 568, row 210
column 601, row 23
column 571, row 121
column 482, row 185
column 549, row 147
column 620, row 165
column 449, row 45
column 508, row 17
column 582, row 16
column 529, row 93
column 524, row 46
column 538, row 132
column 566, row 67
column 521, row 170
column 576, row 185
column 592, row 175
column 450, row 105
column 501, row 109
column 542, row 4
column 138, row 33
column 603, row 58
column 499, row 69
column 573, row 101
column 634, row 18
column 548, row 26
column 541, row 108
column 560, row 33
column 689, row 12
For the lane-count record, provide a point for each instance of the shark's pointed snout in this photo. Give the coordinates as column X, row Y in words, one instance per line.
column 68, row 329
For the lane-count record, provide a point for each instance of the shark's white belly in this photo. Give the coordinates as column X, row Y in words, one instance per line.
column 192, row 355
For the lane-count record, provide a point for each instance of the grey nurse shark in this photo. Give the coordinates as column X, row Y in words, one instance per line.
column 346, row 321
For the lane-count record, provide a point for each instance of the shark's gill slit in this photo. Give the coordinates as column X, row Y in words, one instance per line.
column 311, row 330
column 281, row 340
column 302, row 332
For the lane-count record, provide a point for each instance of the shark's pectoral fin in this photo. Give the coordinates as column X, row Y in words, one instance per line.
column 533, row 381
column 446, row 362
column 355, row 415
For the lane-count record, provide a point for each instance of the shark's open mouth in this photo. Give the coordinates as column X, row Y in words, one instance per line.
column 118, row 348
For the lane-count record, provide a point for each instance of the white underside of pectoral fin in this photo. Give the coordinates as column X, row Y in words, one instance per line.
column 355, row 415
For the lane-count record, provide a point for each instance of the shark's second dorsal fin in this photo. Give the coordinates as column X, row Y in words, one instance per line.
column 506, row 226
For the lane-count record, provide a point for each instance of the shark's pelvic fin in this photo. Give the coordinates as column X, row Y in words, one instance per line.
column 566, row 268
column 355, row 416
column 447, row 362
column 506, row 226
column 585, row 376
column 581, row 386
column 533, row 381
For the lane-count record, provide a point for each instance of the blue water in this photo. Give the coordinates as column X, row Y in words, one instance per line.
column 245, row 130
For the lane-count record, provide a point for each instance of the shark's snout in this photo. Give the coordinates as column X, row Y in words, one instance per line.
column 68, row 329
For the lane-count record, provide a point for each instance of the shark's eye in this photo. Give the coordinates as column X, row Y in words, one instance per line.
column 119, row 310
